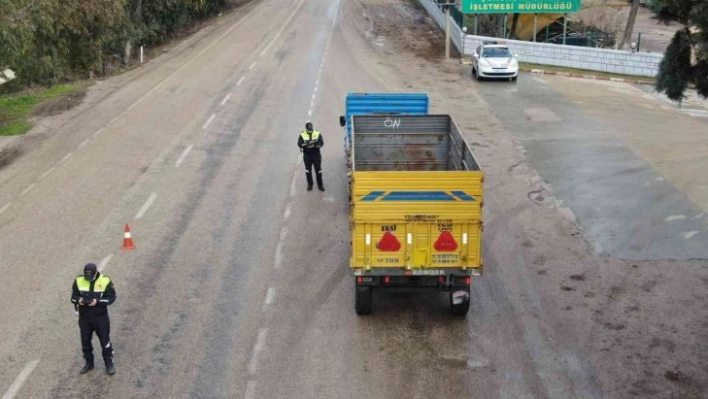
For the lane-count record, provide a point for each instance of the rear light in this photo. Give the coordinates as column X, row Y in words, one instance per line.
column 360, row 279
column 446, row 242
column 389, row 243
column 468, row 280
column 387, row 279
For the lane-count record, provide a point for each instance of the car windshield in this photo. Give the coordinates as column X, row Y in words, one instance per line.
column 496, row 52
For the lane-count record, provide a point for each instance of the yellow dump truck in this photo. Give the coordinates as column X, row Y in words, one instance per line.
column 416, row 207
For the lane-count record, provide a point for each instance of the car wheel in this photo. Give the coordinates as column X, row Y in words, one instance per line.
column 514, row 78
column 476, row 75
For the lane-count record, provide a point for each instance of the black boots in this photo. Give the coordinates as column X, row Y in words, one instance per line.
column 110, row 368
column 321, row 188
column 309, row 187
column 87, row 367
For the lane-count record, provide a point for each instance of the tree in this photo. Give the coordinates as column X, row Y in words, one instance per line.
column 630, row 23
column 685, row 62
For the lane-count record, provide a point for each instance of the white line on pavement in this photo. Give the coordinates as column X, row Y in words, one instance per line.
column 252, row 65
column 240, row 80
column 283, row 233
column 20, row 380
column 66, row 157
column 260, row 343
column 285, row 25
column 28, row 189
column 278, row 254
column 4, row 208
column 226, row 99
column 146, row 206
column 83, row 143
column 45, row 174
column 250, row 390
column 690, row 234
column 104, row 263
column 286, row 214
column 99, row 131
column 183, row 156
column 208, row 122
column 293, row 190
column 270, row 294
column 115, row 118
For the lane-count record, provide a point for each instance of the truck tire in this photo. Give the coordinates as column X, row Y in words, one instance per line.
column 461, row 308
column 363, row 302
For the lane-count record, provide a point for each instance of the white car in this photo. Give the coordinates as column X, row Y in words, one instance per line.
column 494, row 61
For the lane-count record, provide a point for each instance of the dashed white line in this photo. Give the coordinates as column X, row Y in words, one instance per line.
column 83, row 143
column 674, row 217
column 278, row 255
column 20, row 380
column 252, row 65
column 115, row 118
column 183, row 156
column 28, row 189
column 309, row 112
column 260, row 344
column 270, row 295
column 250, row 390
column 226, row 99
column 286, row 214
column 283, row 233
column 690, row 234
column 104, row 263
column 66, row 157
column 99, row 131
column 293, row 190
column 5, row 207
column 146, row 206
column 208, row 122
column 285, row 25
column 45, row 174
column 240, row 80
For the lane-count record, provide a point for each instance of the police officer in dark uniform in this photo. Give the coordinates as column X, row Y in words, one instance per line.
column 91, row 294
column 310, row 142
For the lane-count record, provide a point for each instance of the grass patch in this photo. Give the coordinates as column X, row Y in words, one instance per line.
column 16, row 108
column 554, row 68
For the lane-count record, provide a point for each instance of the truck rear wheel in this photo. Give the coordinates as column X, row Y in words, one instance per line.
column 460, row 301
column 363, row 302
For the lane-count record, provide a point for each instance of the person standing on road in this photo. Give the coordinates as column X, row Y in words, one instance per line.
column 310, row 142
column 91, row 294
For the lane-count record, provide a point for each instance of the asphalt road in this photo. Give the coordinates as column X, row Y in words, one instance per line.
column 627, row 164
column 239, row 285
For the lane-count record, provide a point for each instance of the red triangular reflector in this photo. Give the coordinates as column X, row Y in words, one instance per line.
column 388, row 242
column 446, row 242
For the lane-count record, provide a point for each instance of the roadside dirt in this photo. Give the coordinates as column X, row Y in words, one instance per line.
column 60, row 104
column 641, row 325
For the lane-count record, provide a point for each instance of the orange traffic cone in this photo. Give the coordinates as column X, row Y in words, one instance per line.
column 128, row 240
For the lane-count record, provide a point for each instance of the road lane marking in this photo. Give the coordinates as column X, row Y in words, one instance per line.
column 20, row 380
column 83, row 143
column 278, row 254
column 270, row 294
column 286, row 214
column 28, row 189
column 104, row 263
column 115, row 118
column 240, row 80
column 146, row 206
column 283, row 233
column 260, row 344
column 66, row 157
column 674, row 217
column 252, row 65
column 689, row 234
column 226, row 99
column 250, row 390
column 4, row 208
column 208, row 122
column 99, row 131
column 45, row 174
column 183, row 156
column 285, row 25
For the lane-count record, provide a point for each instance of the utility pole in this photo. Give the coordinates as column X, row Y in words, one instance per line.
column 630, row 24
column 447, row 31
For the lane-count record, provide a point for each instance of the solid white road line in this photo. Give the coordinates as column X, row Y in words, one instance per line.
column 260, row 344
column 20, row 380
column 5, row 207
column 183, row 156
column 285, row 25
column 28, row 189
column 104, row 263
column 146, row 206
column 45, row 174
column 226, row 99
column 240, row 80
column 208, row 122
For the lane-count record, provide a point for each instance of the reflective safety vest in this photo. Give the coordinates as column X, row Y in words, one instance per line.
column 99, row 287
column 306, row 136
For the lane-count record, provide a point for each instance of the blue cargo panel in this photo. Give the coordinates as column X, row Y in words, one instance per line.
column 384, row 103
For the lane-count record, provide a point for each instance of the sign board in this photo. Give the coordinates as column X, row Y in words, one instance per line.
column 6, row 76
column 519, row 6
